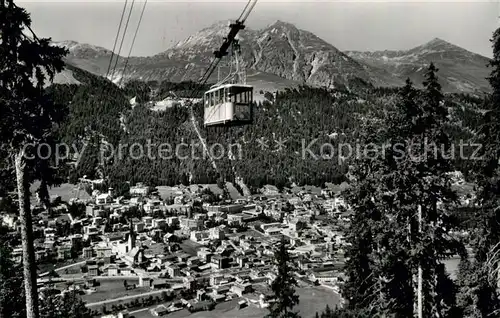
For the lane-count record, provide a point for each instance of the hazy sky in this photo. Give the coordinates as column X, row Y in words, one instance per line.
column 348, row 25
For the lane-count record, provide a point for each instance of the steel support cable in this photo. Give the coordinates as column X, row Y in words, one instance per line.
column 116, row 38
column 133, row 42
column 214, row 109
column 203, row 81
column 210, row 70
column 123, row 38
column 219, row 84
column 249, row 10
column 242, row 13
column 222, row 82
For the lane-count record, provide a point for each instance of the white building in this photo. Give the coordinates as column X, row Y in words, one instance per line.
column 199, row 236
column 235, row 219
column 148, row 221
column 173, row 220
column 216, row 233
column 104, row 198
column 49, row 233
column 152, row 205
column 159, row 223
column 272, row 231
column 136, row 201
column 190, row 224
column 139, row 190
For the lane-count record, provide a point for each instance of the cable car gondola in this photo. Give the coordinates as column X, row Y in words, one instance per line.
column 228, row 104
column 230, row 101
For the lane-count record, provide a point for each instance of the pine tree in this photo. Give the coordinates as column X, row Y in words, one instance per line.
column 359, row 265
column 423, row 183
column 388, row 243
column 283, row 286
column 28, row 116
column 432, row 242
column 478, row 283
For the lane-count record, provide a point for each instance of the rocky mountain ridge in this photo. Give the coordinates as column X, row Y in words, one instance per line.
column 459, row 69
column 282, row 55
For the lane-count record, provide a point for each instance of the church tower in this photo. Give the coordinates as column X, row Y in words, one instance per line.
column 131, row 236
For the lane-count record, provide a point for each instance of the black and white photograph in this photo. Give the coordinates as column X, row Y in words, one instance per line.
column 249, row 159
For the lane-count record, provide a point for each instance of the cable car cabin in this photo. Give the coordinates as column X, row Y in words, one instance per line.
column 229, row 104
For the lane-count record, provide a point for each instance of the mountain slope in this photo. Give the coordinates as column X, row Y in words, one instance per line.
column 91, row 58
column 270, row 151
column 280, row 50
column 295, row 54
column 282, row 55
column 459, row 69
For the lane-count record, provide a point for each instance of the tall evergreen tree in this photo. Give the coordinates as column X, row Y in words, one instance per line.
column 283, row 286
column 28, row 116
column 359, row 265
column 436, row 195
column 378, row 280
column 388, row 241
column 478, row 283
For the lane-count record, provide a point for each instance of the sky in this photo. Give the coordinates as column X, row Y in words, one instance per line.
column 348, row 25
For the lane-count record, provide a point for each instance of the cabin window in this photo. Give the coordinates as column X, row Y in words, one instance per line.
column 221, row 96
column 209, row 99
column 239, row 97
column 243, row 97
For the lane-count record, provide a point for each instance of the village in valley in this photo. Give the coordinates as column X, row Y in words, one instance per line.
column 160, row 250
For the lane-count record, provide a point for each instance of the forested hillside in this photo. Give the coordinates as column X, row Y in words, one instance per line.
column 274, row 150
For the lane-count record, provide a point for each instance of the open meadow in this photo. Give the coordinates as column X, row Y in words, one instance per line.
column 312, row 299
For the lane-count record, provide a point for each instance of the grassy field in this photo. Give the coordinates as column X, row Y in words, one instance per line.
column 222, row 310
column 66, row 191
column 46, row 267
column 312, row 299
column 113, row 289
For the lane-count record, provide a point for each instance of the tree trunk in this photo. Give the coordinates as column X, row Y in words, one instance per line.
column 1, row 303
column 420, row 300
column 29, row 265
